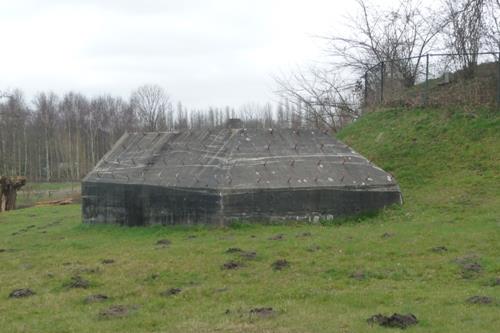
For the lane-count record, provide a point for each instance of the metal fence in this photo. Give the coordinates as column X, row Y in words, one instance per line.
column 434, row 80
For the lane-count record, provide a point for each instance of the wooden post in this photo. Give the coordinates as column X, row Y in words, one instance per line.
column 8, row 191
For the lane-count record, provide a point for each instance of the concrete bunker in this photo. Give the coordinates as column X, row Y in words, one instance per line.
column 217, row 175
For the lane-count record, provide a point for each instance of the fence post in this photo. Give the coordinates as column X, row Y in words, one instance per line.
column 366, row 89
column 382, row 70
column 426, row 94
column 498, row 82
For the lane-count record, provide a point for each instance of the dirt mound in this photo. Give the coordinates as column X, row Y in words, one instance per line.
column 280, row 264
column 164, row 242
column 396, row 320
column 95, row 298
column 107, row 261
column 232, row 265
column 439, row 249
column 480, row 300
column 171, row 292
column 262, row 312
column 19, row 293
column 116, row 311
column 234, row 250
column 78, row 282
column 470, row 267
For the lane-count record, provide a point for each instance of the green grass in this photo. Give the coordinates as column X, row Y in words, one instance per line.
column 447, row 164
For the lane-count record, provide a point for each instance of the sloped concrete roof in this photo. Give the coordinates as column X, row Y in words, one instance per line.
column 239, row 159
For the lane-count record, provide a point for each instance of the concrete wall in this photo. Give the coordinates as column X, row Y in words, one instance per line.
column 306, row 204
column 136, row 204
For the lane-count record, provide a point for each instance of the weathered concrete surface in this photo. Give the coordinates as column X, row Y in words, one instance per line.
column 210, row 176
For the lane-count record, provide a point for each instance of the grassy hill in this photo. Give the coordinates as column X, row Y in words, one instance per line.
column 427, row 257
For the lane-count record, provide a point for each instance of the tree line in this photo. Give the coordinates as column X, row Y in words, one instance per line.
column 59, row 138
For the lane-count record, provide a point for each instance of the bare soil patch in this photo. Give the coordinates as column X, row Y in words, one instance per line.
column 232, row 265
column 439, row 249
column 164, row 242
column 234, row 250
column 20, row 293
column 107, row 261
column 470, row 267
column 480, row 300
column 171, row 292
column 116, row 311
column 280, row 264
column 396, row 320
column 263, row 312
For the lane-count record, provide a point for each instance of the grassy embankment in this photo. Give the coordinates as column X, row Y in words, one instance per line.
column 447, row 164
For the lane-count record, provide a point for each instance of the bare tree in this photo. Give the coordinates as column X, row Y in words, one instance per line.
column 399, row 36
column 321, row 98
column 492, row 27
column 4, row 94
column 8, row 191
column 464, row 31
column 182, row 117
column 153, row 107
column 46, row 107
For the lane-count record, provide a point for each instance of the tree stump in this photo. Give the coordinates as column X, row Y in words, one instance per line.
column 8, row 191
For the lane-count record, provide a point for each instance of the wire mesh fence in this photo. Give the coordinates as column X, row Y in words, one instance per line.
column 434, row 80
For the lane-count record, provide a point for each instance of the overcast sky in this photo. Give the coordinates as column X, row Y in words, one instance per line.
column 220, row 52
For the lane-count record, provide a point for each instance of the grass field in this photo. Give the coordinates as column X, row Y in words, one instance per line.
column 32, row 193
column 427, row 257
